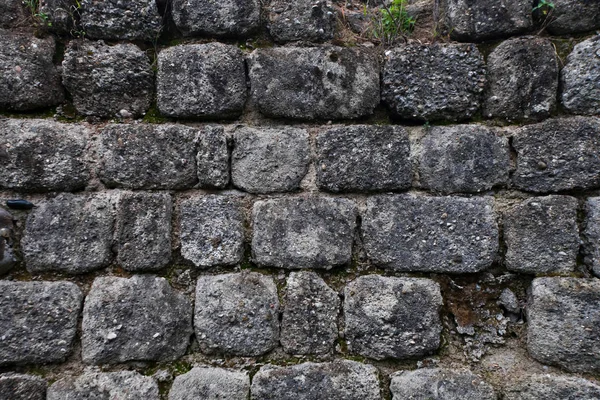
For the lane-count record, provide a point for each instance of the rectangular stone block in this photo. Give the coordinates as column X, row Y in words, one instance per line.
column 552, row 386
column 580, row 76
column 211, row 384
column 591, row 234
column 228, row 18
column 213, row 157
column 22, row 387
column 430, row 383
column 574, row 16
column 121, row 385
column 301, row 20
column 121, row 20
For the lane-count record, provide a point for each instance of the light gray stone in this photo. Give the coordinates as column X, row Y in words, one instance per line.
column 440, row 384
column 591, row 234
column 22, row 387
column 228, row 18
column 551, row 386
column 39, row 321
column 509, row 301
column 137, row 319
column 301, row 20
column 213, row 157
column 122, row 385
column 12, row 14
column 211, row 384
column 580, row 78
column 121, row 20
column 574, row 16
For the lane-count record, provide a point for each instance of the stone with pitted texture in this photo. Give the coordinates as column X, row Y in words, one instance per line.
column 92, row 385
column 591, row 234
column 213, row 157
column 22, row 387
column 61, row 15
column 211, row 384
column 440, row 384
column 226, row 18
column 580, row 78
column 12, row 14
column 573, row 16
column 301, row 20
column 551, row 386
column 120, row 20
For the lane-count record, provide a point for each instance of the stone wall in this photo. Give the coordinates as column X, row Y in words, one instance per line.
column 242, row 200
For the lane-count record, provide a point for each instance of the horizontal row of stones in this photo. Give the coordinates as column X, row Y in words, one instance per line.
column 418, row 82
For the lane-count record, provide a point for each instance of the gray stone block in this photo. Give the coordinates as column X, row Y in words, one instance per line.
column 70, row 233
column 267, row 160
column 591, row 234
column 314, row 83
column 574, row 16
column 137, row 319
column 301, row 20
column 22, row 387
column 389, row 317
column 211, row 384
column 563, row 323
column 28, row 77
column 228, row 18
column 61, row 15
column 463, row 158
column 363, row 158
column 201, row 81
column 212, row 230
column 558, row 154
column 237, row 314
column 310, row 313
column 430, row 234
column 39, row 321
column 433, row 82
column 336, row 380
column 303, row 232
column 12, row 14
column 440, row 384
column 213, row 157
column 580, row 78
column 122, row 385
column 522, row 79
column 42, row 155
column 551, row 386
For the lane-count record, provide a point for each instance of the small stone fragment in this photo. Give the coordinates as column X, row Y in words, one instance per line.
column 122, row 385
column 226, row 18
column 509, row 301
column 574, row 16
column 211, row 384
column 22, row 387
column 580, row 78
column 121, row 20
column 591, row 234
column 551, row 386
column 213, row 157
column 301, row 20
column 440, row 384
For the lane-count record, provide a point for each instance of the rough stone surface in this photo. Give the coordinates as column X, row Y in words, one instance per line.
column 389, row 317
column 43, row 155
column 201, row 81
column 28, row 77
column 137, row 319
column 574, row 16
column 363, row 158
column 522, row 79
column 563, row 323
column 591, row 234
column 267, row 160
column 558, row 154
column 237, row 314
column 39, row 321
column 120, row 20
column 301, row 20
column 312, row 232
column 211, row 384
column 144, row 230
column 108, row 81
column 337, row 380
column 430, row 234
column 550, row 386
column 433, row 82
column 61, row 14
column 148, row 156
column 212, row 230
column 229, row 18
column 580, row 78
column 122, row 385
column 309, row 316
column 213, row 157
column 12, row 14
column 463, row 158
column 314, row 83
column 440, row 384
column 22, row 387
column 69, row 233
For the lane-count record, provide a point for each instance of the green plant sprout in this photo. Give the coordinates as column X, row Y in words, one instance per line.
column 34, row 9
column 393, row 22
column 545, row 6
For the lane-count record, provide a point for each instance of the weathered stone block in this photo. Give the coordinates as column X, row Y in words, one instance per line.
column 550, row 386
column 122, row 385
column 28, row 77
column 430, row 234
column 574, row 16
column 392, row 317
column 213, row 157
column 61, row 15
column 69, row 233
column 463, row 158
column 42, row 155
column 591, row 234
column 211, row 384
column 313, row 232
column 558, row 154
column 301, row 20
column 237, row 314
column 580, row 78
column 314, row 83
column 201, row 81
column 363, row 158
column 212, row 230
column 541, row 235
column 12, row 14
column 309, row 316
column 267, row 160
column 137, row 319
column 337, row 380
column 229, row 18
column 522, row 79
column 563, row 323
column 439, row 383
column 22, row 387
column 39, row 321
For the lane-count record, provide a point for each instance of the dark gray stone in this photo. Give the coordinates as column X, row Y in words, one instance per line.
column 212, row 230
column 463, row 158
column 237, row 314
column 551, row 386
column 574, row 16
column 433, row 82
column 314, row 83
column 440, row 384
column 301, row 20
column 413, row 233
column 228, row 18
column 43, row 155
column 213, row 157
column 363, row 158
column 211, row 384
column 522, row 79
column 267, row 160
column 122, row 385
column 591, row 234
column 28, row 77
column 137, row 319
column 61, row 15
column 309, row 316
column 580, row 78
column 8, row 260
column 70, row 233
column 558, row 154
column 39, row 321
column 22, row 387
column 12, row 14
column 144, row 230
column 390, row 317
column 338, row 380
column 303, row 232
column 563, row 323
